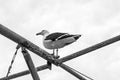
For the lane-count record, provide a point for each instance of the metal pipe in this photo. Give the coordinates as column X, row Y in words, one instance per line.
column 23, row 73
column 30, row 64
column 71, row 71
column 25, row 43
column 89, row 49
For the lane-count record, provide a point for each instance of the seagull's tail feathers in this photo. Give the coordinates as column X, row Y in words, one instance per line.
column 76, row 37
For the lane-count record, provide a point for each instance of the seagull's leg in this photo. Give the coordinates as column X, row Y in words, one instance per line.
column 53, row 52
column 56, row 52
column 57, row 56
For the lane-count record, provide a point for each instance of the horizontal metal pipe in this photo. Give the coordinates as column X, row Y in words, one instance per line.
column 24, row 73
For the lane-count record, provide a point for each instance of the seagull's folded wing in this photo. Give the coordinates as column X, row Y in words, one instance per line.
column 54, row 36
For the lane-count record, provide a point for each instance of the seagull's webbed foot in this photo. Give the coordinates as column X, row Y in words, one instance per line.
column 56, row 57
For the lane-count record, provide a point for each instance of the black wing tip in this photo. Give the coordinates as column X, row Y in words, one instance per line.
column 77, row 37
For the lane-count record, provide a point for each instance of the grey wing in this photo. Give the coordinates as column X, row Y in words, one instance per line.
column 54, row 36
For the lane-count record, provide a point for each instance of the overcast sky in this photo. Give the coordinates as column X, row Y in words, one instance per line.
column 96, row 20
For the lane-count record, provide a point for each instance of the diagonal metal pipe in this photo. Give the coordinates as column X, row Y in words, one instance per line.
column 89, row 49
column 30, row 64
column 71, row 71
column 25, row 43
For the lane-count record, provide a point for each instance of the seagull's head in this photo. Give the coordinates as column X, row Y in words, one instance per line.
column 43, row 32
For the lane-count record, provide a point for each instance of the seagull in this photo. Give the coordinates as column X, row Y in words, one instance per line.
column 57, row 40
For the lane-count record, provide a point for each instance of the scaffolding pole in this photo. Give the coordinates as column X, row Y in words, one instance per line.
column 73, row 72
column 89, row 49
column 30, row 64
column 23, row 73
column 25, row 43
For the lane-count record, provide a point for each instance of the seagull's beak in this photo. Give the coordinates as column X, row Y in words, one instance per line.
column 39, row 33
